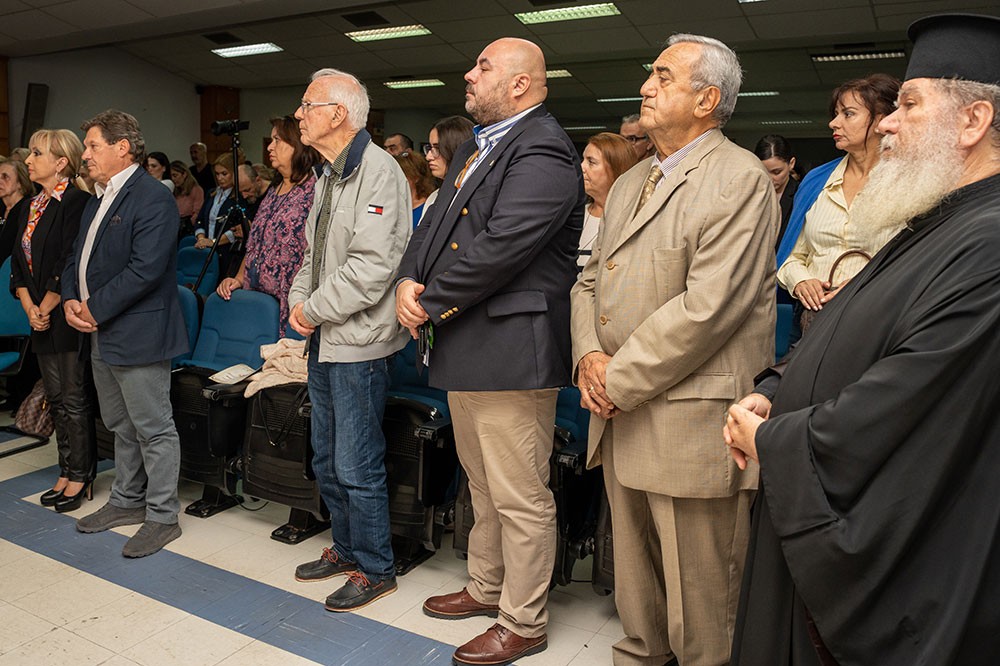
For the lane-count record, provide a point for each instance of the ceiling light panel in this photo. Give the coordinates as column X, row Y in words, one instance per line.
column 395, row 32
column 786, row 122
column 853, row 57
column 759, row 93
column 247, row 50
column 569, row 13
column 605, row 100
column 557, row 74
column 413, row 83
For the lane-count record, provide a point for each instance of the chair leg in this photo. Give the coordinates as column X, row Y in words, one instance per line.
column 301, row 525
column 212, row 501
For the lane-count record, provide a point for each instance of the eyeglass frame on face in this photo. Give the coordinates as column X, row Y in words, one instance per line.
column 431, row 147
column 634, row 138
column 306, row 106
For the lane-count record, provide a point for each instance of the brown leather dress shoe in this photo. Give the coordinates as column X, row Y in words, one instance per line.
column 499, row 645
column 458, row 605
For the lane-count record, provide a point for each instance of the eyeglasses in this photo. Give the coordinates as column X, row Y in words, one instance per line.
column 431, row 148
column 307, row 106
column 634, row 139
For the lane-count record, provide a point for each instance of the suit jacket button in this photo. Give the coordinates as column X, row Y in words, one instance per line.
column 454, row 246
column 603, row 319
column 465, row 211
column 610, row 264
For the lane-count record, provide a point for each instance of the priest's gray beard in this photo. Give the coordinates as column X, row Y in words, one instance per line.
column 909, row 180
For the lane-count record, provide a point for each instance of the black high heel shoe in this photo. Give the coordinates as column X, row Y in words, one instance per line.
column 73, row 502
column 50, row 497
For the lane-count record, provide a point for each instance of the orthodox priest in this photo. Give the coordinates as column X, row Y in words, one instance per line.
column 876, row 531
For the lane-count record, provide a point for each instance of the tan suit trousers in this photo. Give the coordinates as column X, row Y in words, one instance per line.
column 504, row 441
column 678, row 570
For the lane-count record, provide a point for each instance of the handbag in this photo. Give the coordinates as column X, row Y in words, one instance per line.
column 278, row 439
column 805, row 321
column 34, row 416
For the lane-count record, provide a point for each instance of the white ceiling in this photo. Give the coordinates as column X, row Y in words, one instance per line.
column 774, row 39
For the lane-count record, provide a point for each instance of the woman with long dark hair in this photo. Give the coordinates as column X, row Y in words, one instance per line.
column 277, row 239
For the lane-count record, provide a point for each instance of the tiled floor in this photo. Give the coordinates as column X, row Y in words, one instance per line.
column 225, row 595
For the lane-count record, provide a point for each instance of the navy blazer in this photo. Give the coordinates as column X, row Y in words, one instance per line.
column 51, row 244
column 132, row 274
column 499, row 262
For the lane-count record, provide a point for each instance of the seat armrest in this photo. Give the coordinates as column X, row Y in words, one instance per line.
column 220, row 392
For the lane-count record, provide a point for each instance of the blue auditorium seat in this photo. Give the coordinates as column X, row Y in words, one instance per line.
column 15, row 331
column 189, row 264
column 211, row 418
column 782, row 330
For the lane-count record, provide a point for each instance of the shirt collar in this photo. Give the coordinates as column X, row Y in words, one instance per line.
column 117, row 181
column 668, row 163
column 488, row 136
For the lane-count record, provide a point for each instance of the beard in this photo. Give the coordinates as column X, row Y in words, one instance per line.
column 909, row 180
column 491, row 106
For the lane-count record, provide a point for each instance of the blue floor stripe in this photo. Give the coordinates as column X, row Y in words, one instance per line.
column 283, row 619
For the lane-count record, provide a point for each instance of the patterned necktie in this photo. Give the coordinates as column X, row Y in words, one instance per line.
column 655, row 174
column 468, row 163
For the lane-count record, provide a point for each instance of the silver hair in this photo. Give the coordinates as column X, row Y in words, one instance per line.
column 630, row 118
column 962, row 93
column 350, row 93
column 116, row 125
column 718, row 66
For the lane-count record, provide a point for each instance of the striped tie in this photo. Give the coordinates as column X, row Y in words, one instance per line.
column 655, row 174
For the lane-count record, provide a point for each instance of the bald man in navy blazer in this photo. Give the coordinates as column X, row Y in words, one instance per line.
column 120, row 286
column 487, row 275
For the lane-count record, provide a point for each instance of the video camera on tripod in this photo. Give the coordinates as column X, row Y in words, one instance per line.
column 237, row 214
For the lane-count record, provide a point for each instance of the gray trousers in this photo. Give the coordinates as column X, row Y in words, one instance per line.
column 135, row 405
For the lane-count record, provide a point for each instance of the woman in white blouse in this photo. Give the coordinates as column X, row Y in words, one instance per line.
column 606, row 157
column 827, row 193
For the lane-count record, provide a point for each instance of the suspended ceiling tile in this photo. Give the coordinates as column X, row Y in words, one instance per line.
column 819, row 23
column 730, row 31
column 88, row 14
column 569, row 44
column 162, row 8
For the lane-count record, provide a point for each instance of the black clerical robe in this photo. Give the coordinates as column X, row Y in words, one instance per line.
column 879, row 508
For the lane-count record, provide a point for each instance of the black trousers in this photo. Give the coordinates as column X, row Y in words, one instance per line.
column 64, row 375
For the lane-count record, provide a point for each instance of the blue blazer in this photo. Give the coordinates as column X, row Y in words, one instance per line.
column 499, row 262
column 132, row 274
column 805, row 197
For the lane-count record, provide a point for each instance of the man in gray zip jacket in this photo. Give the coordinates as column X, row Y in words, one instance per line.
column 342, row 300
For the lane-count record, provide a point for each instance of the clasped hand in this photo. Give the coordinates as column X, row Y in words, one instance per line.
column 409, row 312
column 591, row 377
column 741, row 426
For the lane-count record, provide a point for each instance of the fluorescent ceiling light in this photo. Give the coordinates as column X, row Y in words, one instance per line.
column 743, row 2
column 557, row 74
column 619, row 99
column 648, row 67
column 395, row 32
column 759, row 93
column 247, row 50
column 413, row 83
column 786, row 122
column 577, row 128
column 850, row 57
column 569, row 13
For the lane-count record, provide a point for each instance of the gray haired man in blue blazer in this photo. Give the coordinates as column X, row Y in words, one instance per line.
column 120, row 286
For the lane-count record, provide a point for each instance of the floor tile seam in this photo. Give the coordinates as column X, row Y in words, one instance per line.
column 105, row 572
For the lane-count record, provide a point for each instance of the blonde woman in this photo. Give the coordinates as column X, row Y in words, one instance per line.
column 46, row 231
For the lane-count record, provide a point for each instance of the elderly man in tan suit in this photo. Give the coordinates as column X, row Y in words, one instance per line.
column 672, row 318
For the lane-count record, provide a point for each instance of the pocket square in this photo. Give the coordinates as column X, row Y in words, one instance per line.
column 116, row 219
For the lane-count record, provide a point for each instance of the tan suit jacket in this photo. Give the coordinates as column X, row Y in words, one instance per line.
column 681, row 295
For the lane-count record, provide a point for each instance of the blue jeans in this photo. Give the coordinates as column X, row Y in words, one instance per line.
column 348, row 400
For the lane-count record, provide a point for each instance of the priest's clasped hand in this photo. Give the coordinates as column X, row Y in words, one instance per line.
column 741, row 426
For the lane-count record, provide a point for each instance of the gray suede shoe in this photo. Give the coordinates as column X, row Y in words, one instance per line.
column 150, row 538
column 109, row 516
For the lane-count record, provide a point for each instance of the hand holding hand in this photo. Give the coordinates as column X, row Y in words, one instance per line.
column 810, row 292
column 409, row 312
column 298, row 321
column 592, row 380
column 740, row 433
